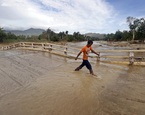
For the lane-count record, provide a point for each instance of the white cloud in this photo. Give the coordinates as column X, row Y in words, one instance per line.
column 60, row 15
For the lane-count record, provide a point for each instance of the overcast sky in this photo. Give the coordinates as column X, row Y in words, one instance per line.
column 96, row 16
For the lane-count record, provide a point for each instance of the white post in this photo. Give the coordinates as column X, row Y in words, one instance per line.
column 14, row 45
column 131, row 58
column 43, row 46
column 98, row 58
column 65, row 50
column 50, row 47
column 32, row 45
column 23, row 44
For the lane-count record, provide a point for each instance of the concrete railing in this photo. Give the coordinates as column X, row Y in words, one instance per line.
column 7, row 47
column 131, row 57
column 116, row 56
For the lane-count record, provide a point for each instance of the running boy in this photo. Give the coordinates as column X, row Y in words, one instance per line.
column 86, row 49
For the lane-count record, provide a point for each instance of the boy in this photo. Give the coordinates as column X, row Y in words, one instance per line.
column 86, row 49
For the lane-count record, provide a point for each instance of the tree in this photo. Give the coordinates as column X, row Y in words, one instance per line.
column 2, row 35
column 133, row 24
column 39, row 37
column 118, row 35
column 70, row 38
column 48, row 32
column 11, row 36
column 109, row 37
column 141, row 30
column 126, row 35
column 54, row 38
column 66, row 33
column 76, row 36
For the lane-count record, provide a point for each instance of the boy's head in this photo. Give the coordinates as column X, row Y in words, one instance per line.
column 90, row 42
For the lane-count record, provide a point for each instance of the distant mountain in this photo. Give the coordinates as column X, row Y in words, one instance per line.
column 28, row 32
column 37, row 32
column 96, row 35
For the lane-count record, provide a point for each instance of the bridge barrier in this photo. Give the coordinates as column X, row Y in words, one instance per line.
column 129, row 57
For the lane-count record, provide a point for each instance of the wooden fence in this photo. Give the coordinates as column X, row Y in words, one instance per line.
column 131, row 57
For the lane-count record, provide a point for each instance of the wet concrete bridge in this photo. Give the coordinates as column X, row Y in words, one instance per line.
column 39, row 83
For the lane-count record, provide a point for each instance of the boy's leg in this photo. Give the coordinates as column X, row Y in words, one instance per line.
column 91, row 72
column 80, row 67
column 88, row 65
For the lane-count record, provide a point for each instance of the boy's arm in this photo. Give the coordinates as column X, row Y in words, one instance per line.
column 78, row 55
column 95, row 52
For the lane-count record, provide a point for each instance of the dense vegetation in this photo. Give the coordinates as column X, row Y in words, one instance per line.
column 136, row 33
column 46, row 36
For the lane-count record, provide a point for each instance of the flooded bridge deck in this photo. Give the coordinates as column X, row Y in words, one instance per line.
column 39, row 83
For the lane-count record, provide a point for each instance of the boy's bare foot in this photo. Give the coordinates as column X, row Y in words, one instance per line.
column 94, row 74
column 76, row 69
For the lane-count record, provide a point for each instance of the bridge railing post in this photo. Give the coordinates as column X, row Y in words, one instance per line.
column 98, row 58
column 23, row 44
column 43, row 47
column 32, row 45
column 50, row 47
column 65, row 50
column 131, row 58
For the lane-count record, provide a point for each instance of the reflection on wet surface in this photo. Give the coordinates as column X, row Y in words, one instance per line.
column 38, row 83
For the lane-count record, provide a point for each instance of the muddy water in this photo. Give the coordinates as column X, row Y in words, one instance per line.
column 38, row 83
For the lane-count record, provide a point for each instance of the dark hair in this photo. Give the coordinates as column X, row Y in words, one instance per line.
column 90, row 42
